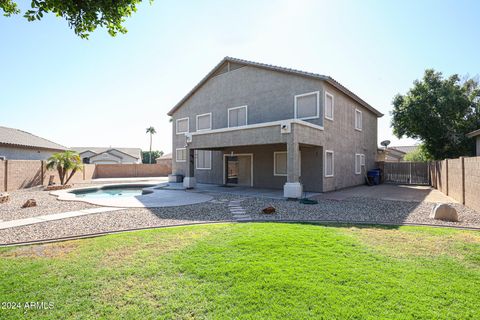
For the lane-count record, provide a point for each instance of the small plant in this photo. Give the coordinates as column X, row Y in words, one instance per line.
column 67, row 164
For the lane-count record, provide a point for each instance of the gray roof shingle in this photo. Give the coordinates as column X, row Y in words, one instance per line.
column 16, row 137
column 134, row 152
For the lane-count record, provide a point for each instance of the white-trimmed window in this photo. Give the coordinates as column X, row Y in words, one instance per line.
column 359, row 162
column 329, row 106
column 181, row 155
column 329, row 163
column 280, row 163
column 237, row 116
column 204, row 121
column 307, row 105
column 182, row 125
column 203, row 159
column 358, row 120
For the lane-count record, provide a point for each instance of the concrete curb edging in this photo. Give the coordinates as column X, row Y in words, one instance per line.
column 329, row 222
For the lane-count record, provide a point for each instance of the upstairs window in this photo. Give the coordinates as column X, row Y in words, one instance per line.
column 359, row 163
column 204, row 122
column 182, row 125
column 329, row 164
column 237, row 116
column 307, row 106
column 358, row 120
column 329, row 106
column 203, row 159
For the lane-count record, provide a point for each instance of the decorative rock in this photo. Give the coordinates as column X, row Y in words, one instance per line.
column 57, row 187
column 443, row 211
column 30, row 203
column 269, row 210
column 4, row 197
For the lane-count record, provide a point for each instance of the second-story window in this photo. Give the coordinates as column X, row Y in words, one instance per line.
column 307, row 106
column 358, row 120
column 237, row 116
column 204, row 121
column 329, row 106
column 182, row 125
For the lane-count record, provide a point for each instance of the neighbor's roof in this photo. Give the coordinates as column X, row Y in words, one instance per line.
column 328, row 79
column 166, row 156
column 19, row 138
column 404, row 149
column 473, row 134
column 133, row 152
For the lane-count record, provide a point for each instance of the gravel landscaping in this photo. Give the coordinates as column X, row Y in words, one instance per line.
column 358, row 209
column 215, row 210
column 46, row 204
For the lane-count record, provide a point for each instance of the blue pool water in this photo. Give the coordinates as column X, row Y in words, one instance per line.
column 110, row 192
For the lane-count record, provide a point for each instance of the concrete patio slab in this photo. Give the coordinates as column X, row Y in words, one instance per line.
column 390, row 192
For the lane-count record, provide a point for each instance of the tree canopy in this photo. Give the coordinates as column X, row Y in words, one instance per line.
column 82, row 16
column 440, row 112
column 148, row 156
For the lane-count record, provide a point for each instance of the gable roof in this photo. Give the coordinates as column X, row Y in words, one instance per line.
column 132, row 152
column 403, row 149
column 20, row 138
column 242, row 62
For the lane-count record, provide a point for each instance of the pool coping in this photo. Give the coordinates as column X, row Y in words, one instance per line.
column 154, row 198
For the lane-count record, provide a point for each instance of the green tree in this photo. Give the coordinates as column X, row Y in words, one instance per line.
column 439, row 111
column 82, row 16
column 65, row 162
column 151, row 131
column 147, row 155
column 420, row 154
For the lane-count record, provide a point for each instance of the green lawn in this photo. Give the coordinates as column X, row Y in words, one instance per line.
column 250, row 271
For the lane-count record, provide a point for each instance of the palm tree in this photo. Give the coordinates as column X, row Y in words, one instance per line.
column 64, row 162
column 152, row 131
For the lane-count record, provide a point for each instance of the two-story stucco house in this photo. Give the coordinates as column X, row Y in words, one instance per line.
column 259, row 125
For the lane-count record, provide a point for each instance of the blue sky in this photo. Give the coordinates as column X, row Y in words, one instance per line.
column 105, row 91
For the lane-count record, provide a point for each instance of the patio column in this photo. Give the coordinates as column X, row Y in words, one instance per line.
column 189, row 181
column 293, row 188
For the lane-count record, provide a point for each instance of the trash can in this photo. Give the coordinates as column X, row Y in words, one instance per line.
column 374, row 175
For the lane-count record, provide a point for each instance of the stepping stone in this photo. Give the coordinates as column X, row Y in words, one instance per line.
column 241, row 216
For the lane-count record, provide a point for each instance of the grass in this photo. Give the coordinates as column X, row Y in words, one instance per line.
column 250, row 271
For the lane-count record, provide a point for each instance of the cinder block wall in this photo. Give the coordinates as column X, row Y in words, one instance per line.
column 455, row 182
column 472, row 182
column 132, row 170
column 23, row 174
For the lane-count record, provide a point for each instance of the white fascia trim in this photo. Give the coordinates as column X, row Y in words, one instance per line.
column 361, row 120
column 202, row 115
column 176, row 154
column 275, row 164
column 261, row 125
column 196, row 161
column 325, row 106
column 188, row 125
column 246, row 116
column 333, row 163
column 302, row 95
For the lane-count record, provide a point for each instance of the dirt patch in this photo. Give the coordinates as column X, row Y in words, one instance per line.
column 49, row 250
column 407, row 243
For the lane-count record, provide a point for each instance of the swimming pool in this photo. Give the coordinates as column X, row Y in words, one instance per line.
column 111, row 191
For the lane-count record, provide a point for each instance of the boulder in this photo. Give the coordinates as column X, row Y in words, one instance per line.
column 443, row 211
column 30, row 203
column 269, row 210
column 4, row 197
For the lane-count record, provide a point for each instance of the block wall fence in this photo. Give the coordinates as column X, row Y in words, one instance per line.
column 19, row 174
column 459, row 179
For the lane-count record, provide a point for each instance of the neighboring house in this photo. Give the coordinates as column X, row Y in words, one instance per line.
column 396, row 154
column 475, row 134
column 165, row 158
column 109, row 155
column 258, row 125
column 16, row 144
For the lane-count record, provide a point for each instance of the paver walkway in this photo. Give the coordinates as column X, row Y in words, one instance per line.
column 51, row 217
column 238, row 211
